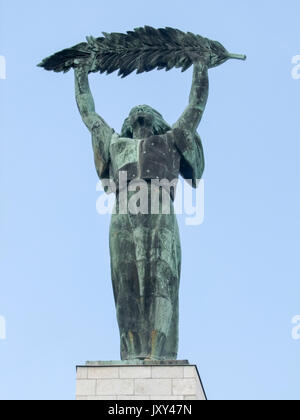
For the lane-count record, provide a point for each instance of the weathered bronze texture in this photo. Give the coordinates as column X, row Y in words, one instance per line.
column 145, row 247
column 143, row 49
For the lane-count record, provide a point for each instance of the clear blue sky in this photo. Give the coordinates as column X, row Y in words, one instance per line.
column 240, row 280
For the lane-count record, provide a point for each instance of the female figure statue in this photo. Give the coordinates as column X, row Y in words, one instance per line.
column 145, row 248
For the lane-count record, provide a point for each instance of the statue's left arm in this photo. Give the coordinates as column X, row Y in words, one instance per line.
column 191, row 117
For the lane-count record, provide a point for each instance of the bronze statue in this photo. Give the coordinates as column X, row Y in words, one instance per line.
column 145, row 248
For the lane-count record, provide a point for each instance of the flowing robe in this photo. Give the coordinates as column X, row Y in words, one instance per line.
column 145, row 248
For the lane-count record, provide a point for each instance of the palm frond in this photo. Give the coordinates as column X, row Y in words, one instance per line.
column 141, row 50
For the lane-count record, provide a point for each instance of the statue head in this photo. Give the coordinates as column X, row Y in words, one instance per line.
column 144, row 121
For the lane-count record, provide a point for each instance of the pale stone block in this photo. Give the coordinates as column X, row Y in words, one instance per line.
column 153, row 387
column 200, row 392
column 166, row 398
column 97, row 398
column 133, row 398
column 169, row 372
column 163, row 382
column 184, row 387
column 82, row 373
column 115, row 387
column 190, row 372
column 134, row 372
column 86, row 387
column 103, row 373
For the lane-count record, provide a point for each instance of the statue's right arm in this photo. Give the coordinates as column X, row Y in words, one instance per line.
column 85, row 101
column 100, row 130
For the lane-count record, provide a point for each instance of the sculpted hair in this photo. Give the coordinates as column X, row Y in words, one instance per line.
column 160, row 126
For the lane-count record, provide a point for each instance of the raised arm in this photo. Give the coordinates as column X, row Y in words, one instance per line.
column 85, row 100
column 191, row 117
column 100, row 130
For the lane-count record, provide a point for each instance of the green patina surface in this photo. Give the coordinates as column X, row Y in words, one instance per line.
column 138, row 362
column 145, row 248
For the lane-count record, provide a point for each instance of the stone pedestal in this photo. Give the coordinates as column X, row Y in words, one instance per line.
column 174, row 380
